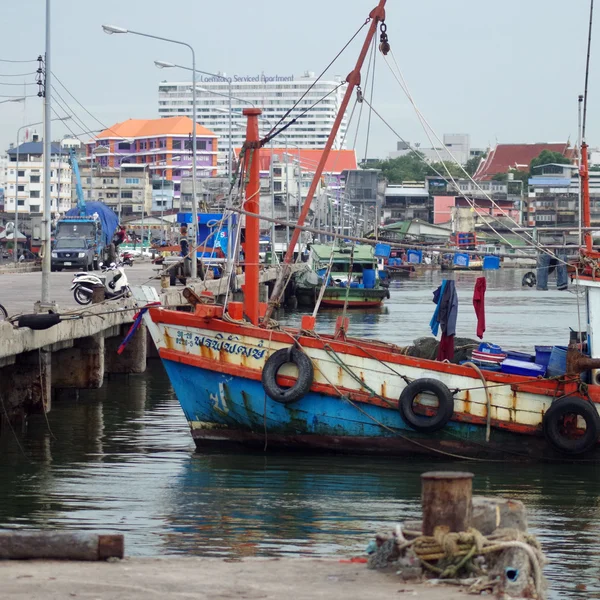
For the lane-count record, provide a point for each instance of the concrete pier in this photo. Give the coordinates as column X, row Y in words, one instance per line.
column 76, row 354
column 206, row 578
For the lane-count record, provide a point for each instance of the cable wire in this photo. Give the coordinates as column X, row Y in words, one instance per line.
column 8, row 60
column 288, row 112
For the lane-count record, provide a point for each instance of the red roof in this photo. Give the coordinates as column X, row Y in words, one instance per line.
column 515, row 156
column 338, row 160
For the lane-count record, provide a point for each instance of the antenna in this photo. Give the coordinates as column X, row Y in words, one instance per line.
column 587, row 70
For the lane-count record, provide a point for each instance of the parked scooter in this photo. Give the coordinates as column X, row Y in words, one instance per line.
column 127, row 259
column 113, row 279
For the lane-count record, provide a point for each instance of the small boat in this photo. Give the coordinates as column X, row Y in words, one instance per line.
column 242, row 378
column 351, row 274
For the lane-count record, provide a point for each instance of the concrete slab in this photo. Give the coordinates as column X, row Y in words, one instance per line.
column 206, row 578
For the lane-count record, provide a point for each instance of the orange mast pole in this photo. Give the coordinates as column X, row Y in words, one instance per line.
column 376, row 15
column 252, row 205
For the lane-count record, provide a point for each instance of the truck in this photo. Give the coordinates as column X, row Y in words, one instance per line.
column 83, row 237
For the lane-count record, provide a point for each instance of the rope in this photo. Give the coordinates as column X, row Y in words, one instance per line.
column 460, row 548
column 318, row 78
column 488, row 419
column 426, row 128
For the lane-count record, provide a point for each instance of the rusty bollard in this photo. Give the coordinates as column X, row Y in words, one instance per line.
column 98, row 294
column 446, row 497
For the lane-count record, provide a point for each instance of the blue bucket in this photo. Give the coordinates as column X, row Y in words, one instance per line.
column 557, row 365
column 369, row 278
column 542, row 354
column 414, row 257
column 491, row 263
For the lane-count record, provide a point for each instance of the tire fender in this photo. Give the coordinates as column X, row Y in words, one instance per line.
column 423, row 423
column 305, row 375
column 551, row 425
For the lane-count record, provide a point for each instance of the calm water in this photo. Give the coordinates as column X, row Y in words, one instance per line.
column 120, row 459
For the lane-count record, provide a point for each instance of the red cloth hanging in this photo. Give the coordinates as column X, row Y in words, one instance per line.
column 446, row 347
column 479, row 305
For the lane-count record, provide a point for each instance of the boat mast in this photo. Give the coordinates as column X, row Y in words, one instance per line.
column 584, row 174
column 376, row 16
column 251, row 258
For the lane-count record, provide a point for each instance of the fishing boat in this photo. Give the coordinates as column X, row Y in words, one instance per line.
column 349, row 274
column 242, row 378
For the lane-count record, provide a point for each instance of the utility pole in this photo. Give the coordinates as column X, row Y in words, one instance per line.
column 47, row 232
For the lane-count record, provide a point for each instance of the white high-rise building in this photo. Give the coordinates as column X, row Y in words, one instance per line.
column 29, row 178
column 274, row 94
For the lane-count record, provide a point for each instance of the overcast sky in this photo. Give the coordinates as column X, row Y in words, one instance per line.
column 505, row 71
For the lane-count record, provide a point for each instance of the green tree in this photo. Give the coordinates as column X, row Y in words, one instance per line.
column 410, row 167
column 547, row 157
column 443, row 168
column 414, row 167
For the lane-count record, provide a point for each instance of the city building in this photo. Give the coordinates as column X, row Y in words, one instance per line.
column 286, row 176
column 404, row 202
column 159, row 147
column 553, row 199
column 131, row 184
column 483, row 198
column 275, row 95
column 364, row 189
column 25, row 184
column 518, row 157
column 456, row 147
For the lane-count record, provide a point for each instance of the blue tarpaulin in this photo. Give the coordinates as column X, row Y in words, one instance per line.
column 108, row 218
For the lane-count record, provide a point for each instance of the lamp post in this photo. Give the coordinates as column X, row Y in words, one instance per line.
column 110, row 30
column 167, row 65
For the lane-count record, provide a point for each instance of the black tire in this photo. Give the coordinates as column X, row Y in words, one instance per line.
column 305, row 375
column 553, row 425
column 423, row 423
column 82, row 295
column 95, row 265
column 3, row 313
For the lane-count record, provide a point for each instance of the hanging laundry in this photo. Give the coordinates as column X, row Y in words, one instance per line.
column 437, row 299
column 479, row 305
column 444, row 316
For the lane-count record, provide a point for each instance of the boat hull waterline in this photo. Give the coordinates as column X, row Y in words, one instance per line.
column 216, row 367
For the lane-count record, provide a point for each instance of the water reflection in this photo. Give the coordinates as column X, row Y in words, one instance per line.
column 120, row 459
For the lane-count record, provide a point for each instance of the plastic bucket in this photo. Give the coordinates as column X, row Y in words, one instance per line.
column 557, row 365
column 542, row 354
column 369, row 278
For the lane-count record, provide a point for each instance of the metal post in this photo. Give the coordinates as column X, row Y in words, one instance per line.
column 579, row 143
column 16, row 232
column 230, row 156
column 119, row 194
column 194, row 232
column 252, row 270
column 162, row 207
column 272, row 190
column 446, row 497
column 287, row 199
column 47, row 165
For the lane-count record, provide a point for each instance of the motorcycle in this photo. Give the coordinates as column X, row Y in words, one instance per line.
column 127, row 259
column 113, row 280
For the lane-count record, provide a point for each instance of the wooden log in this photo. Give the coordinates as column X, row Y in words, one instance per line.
column 446, row 498
column 59, row 545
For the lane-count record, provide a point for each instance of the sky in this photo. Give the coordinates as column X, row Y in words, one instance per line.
column 505, row 71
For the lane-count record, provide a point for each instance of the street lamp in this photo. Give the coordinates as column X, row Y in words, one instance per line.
column 111, row 29
column 16, row 234
column 161, row 64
